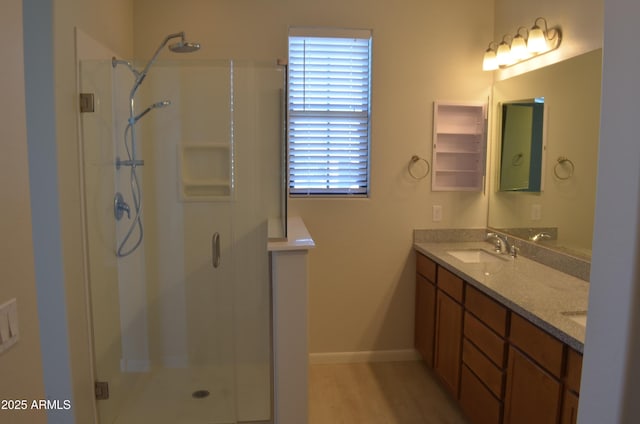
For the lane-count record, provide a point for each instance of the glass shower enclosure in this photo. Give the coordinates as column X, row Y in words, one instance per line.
column 181, row 327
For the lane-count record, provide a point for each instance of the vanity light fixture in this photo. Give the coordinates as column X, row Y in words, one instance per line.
column 526, row 44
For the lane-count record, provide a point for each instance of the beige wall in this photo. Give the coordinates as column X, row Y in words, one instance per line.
column 361, row 281
column 20, row 366
column 111, row 23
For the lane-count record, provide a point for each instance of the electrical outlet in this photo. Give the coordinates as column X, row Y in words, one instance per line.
column 536, row 212
column 436, row 213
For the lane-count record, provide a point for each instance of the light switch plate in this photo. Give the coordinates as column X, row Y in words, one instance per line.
column 9, row 330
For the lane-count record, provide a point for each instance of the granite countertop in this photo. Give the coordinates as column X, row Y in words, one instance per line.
column 537, row 292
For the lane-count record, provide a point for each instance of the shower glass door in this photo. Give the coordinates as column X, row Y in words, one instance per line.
column 181, row 326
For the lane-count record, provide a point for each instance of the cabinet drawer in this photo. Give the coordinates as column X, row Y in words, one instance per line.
column 483, row 368
column 488, row 310
column 450, row 284
column 489, row 342
column 425, row 267
column 538, row 344
column 476, row 401
column 573, row 371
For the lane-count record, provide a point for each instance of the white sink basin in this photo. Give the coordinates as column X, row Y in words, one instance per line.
column 475, row 256
column 579, row 317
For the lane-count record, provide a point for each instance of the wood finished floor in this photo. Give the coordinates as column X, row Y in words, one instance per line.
column 379, row 393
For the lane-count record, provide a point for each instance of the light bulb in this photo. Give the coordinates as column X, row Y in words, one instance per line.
column 503, row 54
column 519, row 48
column 537, row 42
column 490, row 62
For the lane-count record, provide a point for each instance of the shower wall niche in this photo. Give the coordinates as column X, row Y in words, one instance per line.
column 166, row 323
column 205, row 171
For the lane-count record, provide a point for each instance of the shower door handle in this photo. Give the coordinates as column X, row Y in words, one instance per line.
column 215, row 250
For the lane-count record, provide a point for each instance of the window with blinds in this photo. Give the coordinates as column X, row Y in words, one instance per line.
column 329, row 97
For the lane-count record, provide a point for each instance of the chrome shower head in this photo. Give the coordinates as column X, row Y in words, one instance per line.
column 184, row 47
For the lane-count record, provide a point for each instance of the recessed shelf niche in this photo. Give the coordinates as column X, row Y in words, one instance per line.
column 459, row 141
column 206, row 171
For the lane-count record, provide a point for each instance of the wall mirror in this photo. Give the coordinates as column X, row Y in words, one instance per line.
column 561, row 215
column 521, row 145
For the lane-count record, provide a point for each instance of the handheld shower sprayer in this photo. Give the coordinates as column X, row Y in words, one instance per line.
column 163, row 103
column 182, row 46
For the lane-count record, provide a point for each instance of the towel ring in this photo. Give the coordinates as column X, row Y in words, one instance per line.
column 517, row 159
column 415, row 159
column 561, row 161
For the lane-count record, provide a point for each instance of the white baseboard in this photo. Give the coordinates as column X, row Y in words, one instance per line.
column 364, row 356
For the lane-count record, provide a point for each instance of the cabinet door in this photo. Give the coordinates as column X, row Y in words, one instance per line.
column 533, row 395
column 447, row 356
column 425, row 318
column 569, row 408
column 477, row 401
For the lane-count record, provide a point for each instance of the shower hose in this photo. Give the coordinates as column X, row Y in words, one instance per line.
column 136, row 194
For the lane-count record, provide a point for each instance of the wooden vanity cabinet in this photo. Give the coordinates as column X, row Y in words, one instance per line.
column 569, row 408
column 425, row 313
column 533, row 395
column 438, row 320
column 501, row 367
column 541, row 346
column 447, row 353
column 573, row 371
column 448, row 336
column 534, row 390
column 484, row 356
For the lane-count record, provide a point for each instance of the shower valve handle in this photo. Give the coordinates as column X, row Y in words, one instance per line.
column 120, row 207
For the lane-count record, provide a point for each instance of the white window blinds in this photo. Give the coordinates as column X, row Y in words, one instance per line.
column 329, row 85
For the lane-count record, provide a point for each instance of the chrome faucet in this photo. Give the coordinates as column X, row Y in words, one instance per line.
column 540, row 236
column 499, row 243
column 502, row 245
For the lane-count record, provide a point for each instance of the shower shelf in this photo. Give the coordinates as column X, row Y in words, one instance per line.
column 206, row 171
column 192, row 189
